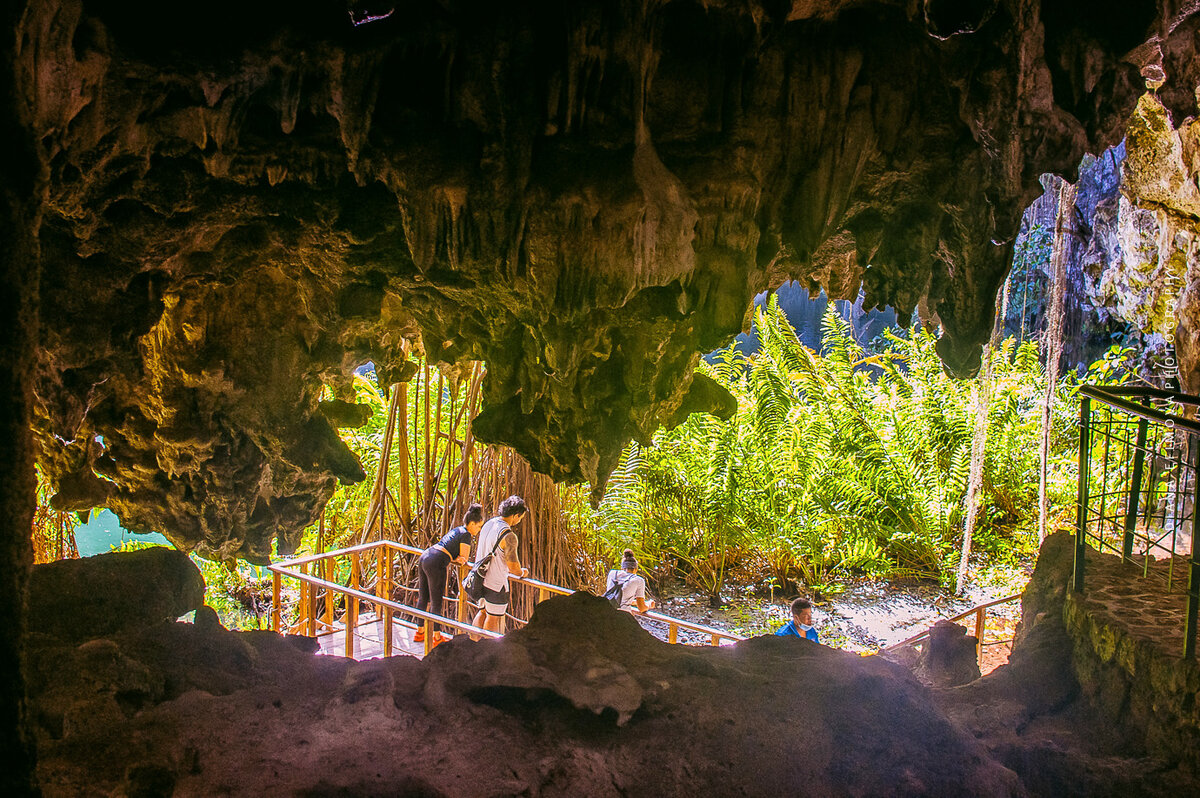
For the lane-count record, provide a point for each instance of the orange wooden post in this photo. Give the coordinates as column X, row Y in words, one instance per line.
column 302, row 608
column 307, row 603
column 979, row 634
column 311, row 609
column 716, row 639
column 387, row 631
column 329, row 594
column 543, row 594
column 672, row 633
column 275, row 602
column 352, row 606
column 428, row 624
column 462, row 595
column 387, row 568
column 379, row 571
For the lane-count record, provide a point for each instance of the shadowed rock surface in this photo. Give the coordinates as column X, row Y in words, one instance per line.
column 948, row 657
column 1033, row 716
column 241, row 203
column 581, row 702
column 81, row 599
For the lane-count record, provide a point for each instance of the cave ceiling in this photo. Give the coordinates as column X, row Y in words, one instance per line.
column 242, row 202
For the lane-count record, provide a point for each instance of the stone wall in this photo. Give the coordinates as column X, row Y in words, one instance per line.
column 1126, row 632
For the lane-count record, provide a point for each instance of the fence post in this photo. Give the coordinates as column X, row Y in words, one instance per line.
column 387, row 631
column 1193, row 590
column 1135, row 489
column 462, row 594
column 302, row 605
column 1085, row 412
column 329, row 594
column 979, row 613
column 275, row 602
column 311, row 609
column 352, row 606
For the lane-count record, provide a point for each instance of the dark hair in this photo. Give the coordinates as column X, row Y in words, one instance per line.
column 629, row 562
column 474, row 515
column 799, row 605
column 513, row 505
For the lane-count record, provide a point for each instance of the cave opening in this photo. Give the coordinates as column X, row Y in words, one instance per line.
column 210, row 219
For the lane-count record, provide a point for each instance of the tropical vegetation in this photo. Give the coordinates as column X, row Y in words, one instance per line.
column 849, row 461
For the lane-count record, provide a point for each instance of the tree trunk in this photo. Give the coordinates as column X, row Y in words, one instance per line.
column 1064, row 230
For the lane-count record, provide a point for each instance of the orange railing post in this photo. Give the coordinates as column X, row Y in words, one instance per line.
column 275, row 602
column 979, row 634
column 300, row 604
column 352, row 606
column 462, row 594
column 329, row 594
column 387, row 631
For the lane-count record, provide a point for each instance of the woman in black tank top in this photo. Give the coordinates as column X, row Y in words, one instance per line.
column 455, row 546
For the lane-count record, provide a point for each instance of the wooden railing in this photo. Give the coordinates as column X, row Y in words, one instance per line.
column 318, row 572
column 980, row 613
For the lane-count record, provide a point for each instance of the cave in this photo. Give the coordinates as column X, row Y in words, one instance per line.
column 210, row 213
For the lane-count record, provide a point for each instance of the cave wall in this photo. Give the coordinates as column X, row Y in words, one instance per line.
column 18, row 326
column 1126, row 635
column 245, row 203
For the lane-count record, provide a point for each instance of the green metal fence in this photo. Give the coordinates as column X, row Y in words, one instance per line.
column 1139, row 454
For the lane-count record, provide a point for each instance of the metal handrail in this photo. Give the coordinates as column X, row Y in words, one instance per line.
column 1180, row 458
column 548, row 587
column 1114, row 396
column 289, row 568
column 979, row 611
column 357, row 594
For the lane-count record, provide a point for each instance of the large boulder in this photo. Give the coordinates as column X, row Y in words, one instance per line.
column 97, row 596
column 949, row 657
column 579, row 702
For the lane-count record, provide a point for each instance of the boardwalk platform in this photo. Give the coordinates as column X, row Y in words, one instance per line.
column 370, row 572
column 368, row 639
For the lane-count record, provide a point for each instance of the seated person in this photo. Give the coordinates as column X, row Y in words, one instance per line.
column 801, row 623
column 633, row 587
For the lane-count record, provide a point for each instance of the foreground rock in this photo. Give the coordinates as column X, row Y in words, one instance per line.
column 581, row 702
column 1063, row 740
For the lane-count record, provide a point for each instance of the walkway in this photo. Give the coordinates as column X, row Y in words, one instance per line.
column 347, row 597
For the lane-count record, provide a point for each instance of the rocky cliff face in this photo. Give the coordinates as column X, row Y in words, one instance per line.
column 240, row 205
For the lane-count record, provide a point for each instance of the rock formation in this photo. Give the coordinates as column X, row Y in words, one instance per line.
column 240, row 205
column 545, row 711
column 1051, row 714
column 209, row 212
column 155, row 707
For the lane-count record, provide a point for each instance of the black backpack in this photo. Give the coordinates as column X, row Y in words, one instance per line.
column 615, row 593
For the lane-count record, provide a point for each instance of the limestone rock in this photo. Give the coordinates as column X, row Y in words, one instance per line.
column 539, row 712
column 948, row 658
column 96, row 596
column 240, row 204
